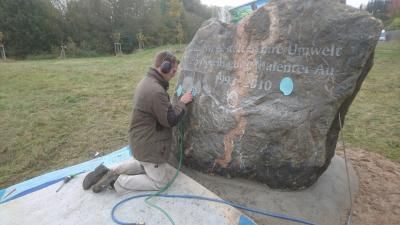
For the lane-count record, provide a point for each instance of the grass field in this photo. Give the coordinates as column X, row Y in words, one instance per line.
column 55, row 113
column 373, row 122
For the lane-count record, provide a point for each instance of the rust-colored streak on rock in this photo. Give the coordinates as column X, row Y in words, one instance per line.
column 229, row 139
column 244, row 75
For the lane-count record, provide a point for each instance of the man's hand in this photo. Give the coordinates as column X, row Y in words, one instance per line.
column 187, row 97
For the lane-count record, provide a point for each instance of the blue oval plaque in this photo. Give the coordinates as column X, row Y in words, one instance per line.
column 286, row 86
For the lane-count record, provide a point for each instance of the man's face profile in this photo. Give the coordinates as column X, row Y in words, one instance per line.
column 172, row 73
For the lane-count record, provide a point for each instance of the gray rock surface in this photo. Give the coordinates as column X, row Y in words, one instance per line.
column 246, row 120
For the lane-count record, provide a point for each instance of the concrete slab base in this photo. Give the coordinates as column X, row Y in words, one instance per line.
column 73, row 206
column 327, row 202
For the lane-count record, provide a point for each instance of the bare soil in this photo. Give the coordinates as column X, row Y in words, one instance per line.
column 378, row 199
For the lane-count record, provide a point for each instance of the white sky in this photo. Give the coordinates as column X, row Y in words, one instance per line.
column 354, row 3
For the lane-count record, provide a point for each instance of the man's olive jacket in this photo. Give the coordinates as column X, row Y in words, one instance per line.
column 150, row 130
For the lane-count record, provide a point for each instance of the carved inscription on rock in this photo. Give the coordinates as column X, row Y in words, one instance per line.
column 269, row 90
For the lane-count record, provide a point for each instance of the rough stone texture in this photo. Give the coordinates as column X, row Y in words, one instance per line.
column 240, row 123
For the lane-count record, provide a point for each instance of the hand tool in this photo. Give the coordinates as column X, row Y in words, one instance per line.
column 67, row 179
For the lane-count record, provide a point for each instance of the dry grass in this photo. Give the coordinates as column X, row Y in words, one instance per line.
column 373, row 121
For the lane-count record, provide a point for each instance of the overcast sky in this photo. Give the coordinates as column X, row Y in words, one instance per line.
column 354, row 3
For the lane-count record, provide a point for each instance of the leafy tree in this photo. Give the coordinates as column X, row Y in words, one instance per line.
column 378, row 8
column 195, row 7
column 89, row 22
column 141, row 40
column 29, row 27
column 180, row 34
column 36, row 26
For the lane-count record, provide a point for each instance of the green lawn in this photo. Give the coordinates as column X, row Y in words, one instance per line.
column 55, row 113
column 373, row 121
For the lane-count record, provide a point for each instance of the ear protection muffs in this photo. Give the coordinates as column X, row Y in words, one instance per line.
column 166, row 65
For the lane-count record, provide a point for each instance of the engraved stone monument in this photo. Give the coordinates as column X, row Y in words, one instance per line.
column 269, row 90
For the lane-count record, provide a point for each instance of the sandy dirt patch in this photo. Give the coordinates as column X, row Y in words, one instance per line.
column 378, row 199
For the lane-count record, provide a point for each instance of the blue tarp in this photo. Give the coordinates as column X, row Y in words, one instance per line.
column 43, row 181
column 40, row 182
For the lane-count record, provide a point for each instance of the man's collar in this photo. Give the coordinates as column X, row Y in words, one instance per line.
column 155, row 74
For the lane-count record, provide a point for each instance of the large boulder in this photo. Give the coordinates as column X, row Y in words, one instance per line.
column 270, row 90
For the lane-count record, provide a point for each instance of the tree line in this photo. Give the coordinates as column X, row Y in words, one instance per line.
column 386, row 10
column 87, row 27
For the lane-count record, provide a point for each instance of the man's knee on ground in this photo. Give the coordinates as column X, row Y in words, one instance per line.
column 162, row 183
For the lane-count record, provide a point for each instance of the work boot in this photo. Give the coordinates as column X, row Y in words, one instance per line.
column 106, row 181
column 94, row 176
